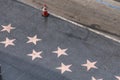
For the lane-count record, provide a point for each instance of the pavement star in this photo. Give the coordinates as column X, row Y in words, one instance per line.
column 118, row 77
column 33, row 39
column 7, row 28
column 90, row 65
column 93, row 78
column 8, row 42
column 35, row 55
column 60, row 52
column 64, row 68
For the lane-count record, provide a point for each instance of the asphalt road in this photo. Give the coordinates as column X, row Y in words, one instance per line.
column 81, row 45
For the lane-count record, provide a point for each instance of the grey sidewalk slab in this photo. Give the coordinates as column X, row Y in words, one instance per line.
column 82, row 44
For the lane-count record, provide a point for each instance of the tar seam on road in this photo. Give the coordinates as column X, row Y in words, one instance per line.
column 80, row 25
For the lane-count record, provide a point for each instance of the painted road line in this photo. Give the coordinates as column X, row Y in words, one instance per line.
column 108, row 4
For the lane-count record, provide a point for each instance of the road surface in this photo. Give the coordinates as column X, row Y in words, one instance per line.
column 76, row 46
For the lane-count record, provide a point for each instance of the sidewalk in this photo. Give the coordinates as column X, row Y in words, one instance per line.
column 87, row 12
